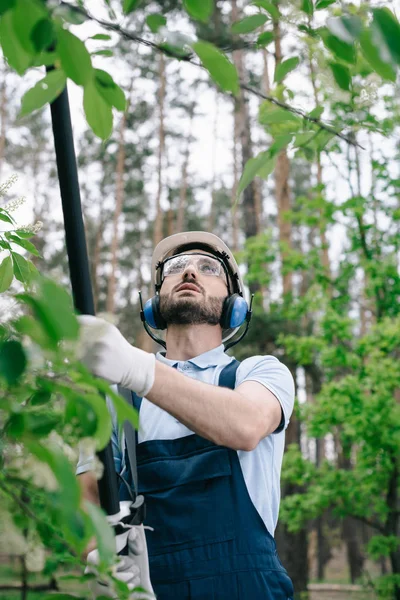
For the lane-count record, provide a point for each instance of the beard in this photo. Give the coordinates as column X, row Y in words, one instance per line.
column 189, row 311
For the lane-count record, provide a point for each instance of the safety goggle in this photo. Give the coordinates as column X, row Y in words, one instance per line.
column 204, row 264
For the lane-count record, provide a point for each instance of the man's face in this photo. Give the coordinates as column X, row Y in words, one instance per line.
column 192, row 297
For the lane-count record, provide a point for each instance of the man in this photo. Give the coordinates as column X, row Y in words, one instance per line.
column 211, row 435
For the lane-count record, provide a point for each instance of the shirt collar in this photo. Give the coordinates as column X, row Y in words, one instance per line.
column 211, row 358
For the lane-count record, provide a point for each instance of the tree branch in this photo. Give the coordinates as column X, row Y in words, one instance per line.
column 168, row 51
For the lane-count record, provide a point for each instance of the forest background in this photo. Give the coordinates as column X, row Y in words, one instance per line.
column 272, row 124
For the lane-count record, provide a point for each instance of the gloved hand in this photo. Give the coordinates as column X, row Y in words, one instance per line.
column 133, row 568
column 107, row 354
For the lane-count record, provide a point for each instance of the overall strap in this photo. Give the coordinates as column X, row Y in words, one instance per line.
column 227, row 377
column 130, row 433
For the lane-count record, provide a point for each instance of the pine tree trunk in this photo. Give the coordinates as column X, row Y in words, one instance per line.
column 180, row 219
column 282, row 189
column 250, row 219
column 96, row 260
column 3, row 120
column 294, row 545
column 119, row 200
column 158, row 223
column 211, row 220
column 235, row 205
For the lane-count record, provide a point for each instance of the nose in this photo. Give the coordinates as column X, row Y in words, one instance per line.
column 190, row 272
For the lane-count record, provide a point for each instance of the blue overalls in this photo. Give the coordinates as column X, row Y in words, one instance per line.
column 209, row 541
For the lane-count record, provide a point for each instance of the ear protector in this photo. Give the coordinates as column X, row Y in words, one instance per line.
column 234, row 312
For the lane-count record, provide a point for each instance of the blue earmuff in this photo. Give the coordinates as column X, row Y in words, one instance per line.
column 152, row 313
column 234, row 312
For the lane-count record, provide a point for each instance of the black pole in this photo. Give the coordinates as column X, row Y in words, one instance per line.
column 78, row 259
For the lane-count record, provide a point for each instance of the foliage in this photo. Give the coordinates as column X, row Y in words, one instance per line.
column 48, row 404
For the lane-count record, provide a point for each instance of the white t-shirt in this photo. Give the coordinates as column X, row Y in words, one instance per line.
column 261, row 467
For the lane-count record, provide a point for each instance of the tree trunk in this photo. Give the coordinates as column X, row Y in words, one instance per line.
column 180, row 219
column 3, row 120
column 235, row 205
column 250, row 221
column 282, row 189
column 96, row 259
column 211, row 220
column 293, row 547
column 119, row 200
column 393, row 518
column 158, row 223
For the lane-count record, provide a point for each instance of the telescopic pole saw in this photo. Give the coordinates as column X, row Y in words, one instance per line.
column 78, row 260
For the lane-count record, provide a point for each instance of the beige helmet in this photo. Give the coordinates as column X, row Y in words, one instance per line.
column 198, row 240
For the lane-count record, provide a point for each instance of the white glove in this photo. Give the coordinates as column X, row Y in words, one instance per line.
column 107, row 354
column 132, row 569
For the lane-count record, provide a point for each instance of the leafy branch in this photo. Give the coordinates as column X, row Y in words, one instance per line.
column 179, row 54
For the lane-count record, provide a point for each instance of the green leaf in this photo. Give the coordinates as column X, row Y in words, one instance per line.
column 217, row 64
column 316, row 112
column 15, row 426
column 389, row 27
column 285, row 67
column 24, row 234
column 24, row 244
column 129, row 6
column 109, row 90
column 280, row 142
column 33, row 329
column 265, row 38
column 91, row 414
column 249, row 24
column 42, row 35
column 53, row 309
column 75, row 59
column 22, row 271
column 302, row 139
column 6, row 5
column 342, row 75
column 123, row 410
column 307, row 7
column 104, row 533
column 98, row 111
column 6, row 274
column 155, row 22
column 26, row 15
column 16, row 56
column 45, row 59
column 69, row 14
column 61, row 596
column 201, row 10
column 12, row 361
column 271, row 115
column 320, row 4
column 341, row 49
column 372, row 55
column 40, row 397
column 46, row 90
column 346, row 28
column 100, row 36
column 69, row 492
column 5, row 218
column 251, row 168
column 268, row 6
column 103, row 52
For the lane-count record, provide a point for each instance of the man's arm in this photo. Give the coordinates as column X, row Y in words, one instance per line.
column 238, row 418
